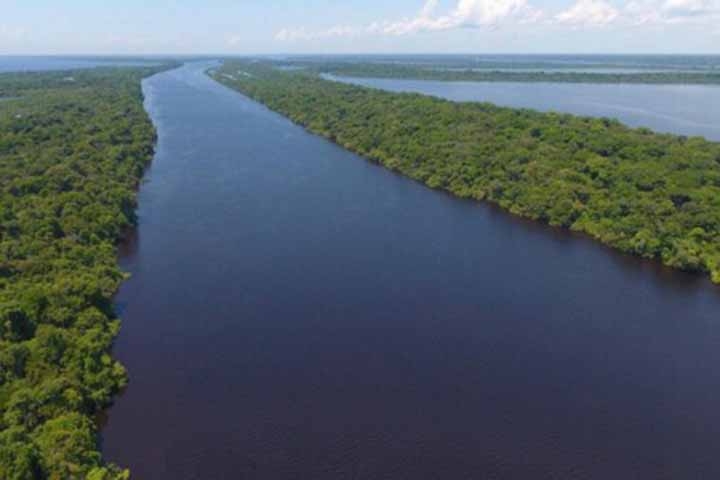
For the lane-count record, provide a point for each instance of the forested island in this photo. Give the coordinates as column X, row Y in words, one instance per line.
column 419, row 72
column 559, row 62
column 648, row 194
column 73, row 147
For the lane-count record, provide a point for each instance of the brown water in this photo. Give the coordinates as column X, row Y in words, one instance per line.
column 298, row 313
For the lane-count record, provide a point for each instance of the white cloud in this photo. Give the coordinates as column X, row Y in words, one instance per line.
column 704, row 13
column 292, row 34
column 588, row 13
column 642, row 12
column 490, row 14
column 233, row 39
column 690, row 8
column 466, row 14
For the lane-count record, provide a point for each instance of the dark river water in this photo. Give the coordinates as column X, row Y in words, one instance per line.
column 298, row 313
column 681, row 109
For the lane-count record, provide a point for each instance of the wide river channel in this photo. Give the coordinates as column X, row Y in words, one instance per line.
column 296, row 312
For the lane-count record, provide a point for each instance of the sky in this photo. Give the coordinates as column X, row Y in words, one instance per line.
column 358, row 26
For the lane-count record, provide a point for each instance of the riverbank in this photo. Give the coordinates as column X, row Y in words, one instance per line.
column 652, row 195
column 665, row 78
column 415, row 72
column 72, row 151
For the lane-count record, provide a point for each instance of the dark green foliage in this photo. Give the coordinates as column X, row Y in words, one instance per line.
column 653, row 195
column 73, row 147
column 384, row 70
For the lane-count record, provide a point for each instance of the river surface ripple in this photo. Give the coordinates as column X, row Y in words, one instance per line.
column 298, row 313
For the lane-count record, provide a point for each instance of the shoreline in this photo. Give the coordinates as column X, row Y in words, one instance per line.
column 236, row 84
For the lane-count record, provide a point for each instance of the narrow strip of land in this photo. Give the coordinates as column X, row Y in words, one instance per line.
column 417, row 72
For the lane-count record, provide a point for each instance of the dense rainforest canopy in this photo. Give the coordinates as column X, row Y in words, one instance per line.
column 652, row 195
column 73, row 146
column 423, row 72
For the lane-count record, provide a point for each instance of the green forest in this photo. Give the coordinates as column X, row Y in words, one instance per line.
column 73, row 147
column 648, row 194
column 419, row 72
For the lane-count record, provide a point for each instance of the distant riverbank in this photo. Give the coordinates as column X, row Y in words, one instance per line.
column 655, row 78
column 398, row 71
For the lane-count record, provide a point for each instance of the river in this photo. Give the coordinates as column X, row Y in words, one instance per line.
column 295, row 312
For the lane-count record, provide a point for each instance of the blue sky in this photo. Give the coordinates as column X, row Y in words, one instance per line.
column 358, row 26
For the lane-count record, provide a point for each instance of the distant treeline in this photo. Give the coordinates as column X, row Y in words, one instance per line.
column 658, row 63
column 73, row 147
column 652, row 195
column 393, row 70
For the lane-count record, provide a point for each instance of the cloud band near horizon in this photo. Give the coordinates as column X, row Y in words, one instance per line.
column 492, row 14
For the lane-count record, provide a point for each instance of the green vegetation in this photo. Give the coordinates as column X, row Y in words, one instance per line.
column 384, row 70
column 595, row 62
column 652, row 195
column 73, row 147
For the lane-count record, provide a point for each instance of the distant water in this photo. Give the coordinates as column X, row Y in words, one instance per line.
column 681, row 109
column 296, row 312
column 556, row 69
column 46, row 63
column 544, row 61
